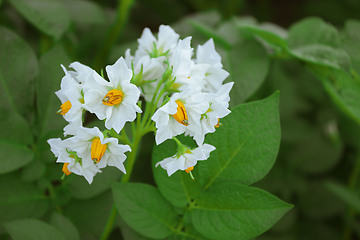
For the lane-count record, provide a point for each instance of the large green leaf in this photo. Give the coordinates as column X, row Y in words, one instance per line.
column 176, row 188
column 312, row 40
column 32, row 229
column 271, row 34
column 14, row 128
column 48, row 83
column 351, row 38
column 144, row 209
column 235, row 211
column 14, row 156
column 20, row 199
column 65, row 226
column 343, row 88
column 18, row 67
column 15, row 133
column 49, row 16
column 209, row 32
column 246, row 144
column 248, row 67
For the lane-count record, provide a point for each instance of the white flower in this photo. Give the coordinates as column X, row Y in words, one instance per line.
column 185, row 72
column 151, row 57
column 115, row 101
column 187, row 160
column 71, row 97
column 151, row 70
column 215, row 75
column 91, row 144
column 164, row 44
column 218, row 108
column 183, row 110
column 67, row 154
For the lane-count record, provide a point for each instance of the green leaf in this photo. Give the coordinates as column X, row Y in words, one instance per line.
column 228, row 30
column 351, row 38
column 49, row 16
column 246, row 144
column 91, row 13
column 14, row 156
column 209, row 32
column 33, row 171
column 130, row 234
column 350, row 197
column 313, row 30
column 66, row 227
column 144, row 209
column 312, row 40
column 90, row 215
column 81, row 189
column 48, row 83
column 176, row 188
column 20, row 199
column 14, row 128
column 270, row 33
column 32, row 229
column 343, row 88
column 248, row 67
column 188, row 233
column 18, row 67
column 235, row 211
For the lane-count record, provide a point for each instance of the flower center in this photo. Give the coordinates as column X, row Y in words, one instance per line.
column 65, row 107
column 113, row 97
column 65, row 169
column 181, row 115
column 97, row 150
column 189, row 169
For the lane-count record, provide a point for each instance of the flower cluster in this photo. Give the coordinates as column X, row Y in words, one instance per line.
column 183, row 95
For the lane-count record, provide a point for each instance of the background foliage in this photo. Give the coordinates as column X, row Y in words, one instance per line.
column 306, row 50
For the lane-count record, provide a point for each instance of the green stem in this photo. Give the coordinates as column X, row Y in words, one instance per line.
column 177, row 142
column 353, row 179
column 154, row 101
column 125, row 178
column 114, row 32
column 109, row 224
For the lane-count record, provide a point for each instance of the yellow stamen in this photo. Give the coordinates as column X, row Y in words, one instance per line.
column 97, row 150
column 65, row 107
column 218, row 124
column 189, row 169
column 65, row 169
column 113, row 97
column 181, row 115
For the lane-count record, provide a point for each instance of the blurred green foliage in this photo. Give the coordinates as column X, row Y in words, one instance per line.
column 314, row 64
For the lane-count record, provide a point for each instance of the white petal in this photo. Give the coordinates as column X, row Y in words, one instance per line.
column 93, row 103
column 207, row 54
column 167, row 38
column 147, row 39
column 118, row 72
column 56, row 146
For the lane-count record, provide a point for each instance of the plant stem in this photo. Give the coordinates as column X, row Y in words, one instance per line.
column 353, row 179
column 123, row 10
column 125, row 178
column 109, row 224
